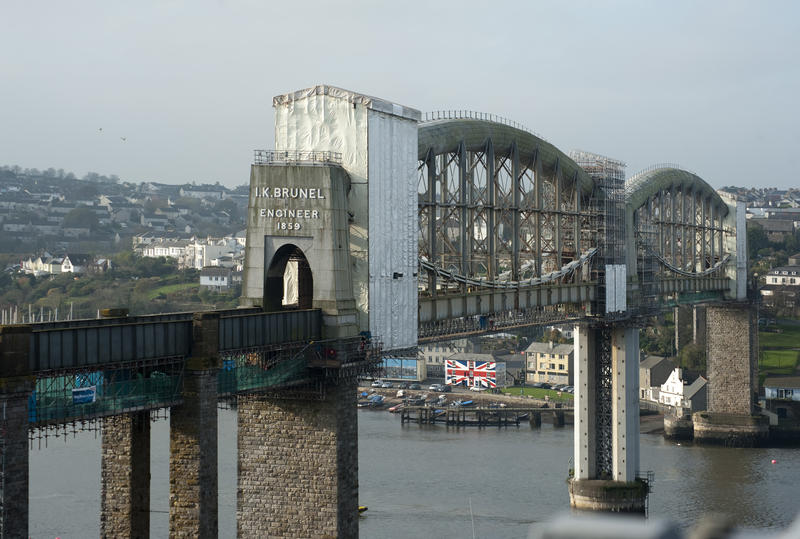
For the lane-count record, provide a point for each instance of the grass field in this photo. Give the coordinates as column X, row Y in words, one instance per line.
column 789, row 337
column 778, row 361
column 538, row 393
column 780, row 350
column 170, row 289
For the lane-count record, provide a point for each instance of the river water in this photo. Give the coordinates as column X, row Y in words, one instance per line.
column 420, row 481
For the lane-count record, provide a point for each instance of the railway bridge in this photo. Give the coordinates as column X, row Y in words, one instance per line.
column 370, row 229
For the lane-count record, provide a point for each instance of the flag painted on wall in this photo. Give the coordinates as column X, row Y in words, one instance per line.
column 471, row 373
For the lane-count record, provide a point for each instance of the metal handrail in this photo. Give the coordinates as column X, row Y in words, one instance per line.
column 268, row 157
column 474, row 115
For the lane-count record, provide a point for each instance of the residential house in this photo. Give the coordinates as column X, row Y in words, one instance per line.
column 152, row 220
column 682, row 396
column 212, row 192
column 781, row 288
column 776, row 229
column 216, row 278
column 784, row 275
column 782, row 395
column 435, row 354
column 76, row 263
column 550, row 362
column 653, row 371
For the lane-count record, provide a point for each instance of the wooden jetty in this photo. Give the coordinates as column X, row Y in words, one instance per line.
column 473, row 416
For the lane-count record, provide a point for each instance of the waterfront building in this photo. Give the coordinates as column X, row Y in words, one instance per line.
column 653, row 371
column 680, row 395
column 550, row 362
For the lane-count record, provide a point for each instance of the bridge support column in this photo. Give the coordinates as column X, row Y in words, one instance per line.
column 731, row 356
column 699, row 326
column 16, row 386
column 607, row 421
column 684, row 320
column 298, row 465
column 193, row 438
column 125, row 476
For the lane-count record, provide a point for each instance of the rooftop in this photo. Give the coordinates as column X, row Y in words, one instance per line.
column 549, row 348
column 373, row 103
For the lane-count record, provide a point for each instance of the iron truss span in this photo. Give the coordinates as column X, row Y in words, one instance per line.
column 499, row 208
column 508, row 222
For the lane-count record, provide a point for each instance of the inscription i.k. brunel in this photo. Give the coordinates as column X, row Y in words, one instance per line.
column 289, row 218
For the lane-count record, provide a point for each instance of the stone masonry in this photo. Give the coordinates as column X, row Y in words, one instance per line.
column 125, row 476
column 298, row 466
column 731, row 351
column 193, row 476
column 15, row 389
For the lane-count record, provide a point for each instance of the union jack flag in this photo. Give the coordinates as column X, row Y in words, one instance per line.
column 473, row 373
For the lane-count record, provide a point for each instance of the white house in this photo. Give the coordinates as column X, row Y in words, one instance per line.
column 75, row 263
column 676, row 392
column 216, row 278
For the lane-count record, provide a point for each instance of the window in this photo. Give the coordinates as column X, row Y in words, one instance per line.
column 561, row 367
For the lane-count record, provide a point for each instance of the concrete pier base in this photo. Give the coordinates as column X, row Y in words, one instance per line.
column 608, row 496
column 730, row 430
column 678, row 428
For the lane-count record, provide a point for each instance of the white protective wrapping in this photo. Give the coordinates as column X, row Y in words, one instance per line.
column 611, row 288
column 393, row 251
column 616, row 288
column 741, row 250
column 621, row 288
column 314, row 121
column 378, row 143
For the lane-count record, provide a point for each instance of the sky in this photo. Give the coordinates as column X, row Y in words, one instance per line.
column 180, row 91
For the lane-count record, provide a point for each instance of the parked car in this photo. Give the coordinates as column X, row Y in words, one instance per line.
column 435, row 387
column 387, row 385
column 415, row 386
column 446, row 388
column 545, row 385
column 377, row 383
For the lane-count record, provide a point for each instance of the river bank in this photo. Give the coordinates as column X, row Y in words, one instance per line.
column 650, row 423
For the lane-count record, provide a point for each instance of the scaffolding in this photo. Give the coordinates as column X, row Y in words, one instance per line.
column 608, row 210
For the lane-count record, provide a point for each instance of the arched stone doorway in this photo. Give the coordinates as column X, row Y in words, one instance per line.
column 288, row 283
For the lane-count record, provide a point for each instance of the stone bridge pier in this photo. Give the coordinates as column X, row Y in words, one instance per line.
column 606, row 447
column 297, row 456
column 298, row 465
column 732, row 365
column 16, row 385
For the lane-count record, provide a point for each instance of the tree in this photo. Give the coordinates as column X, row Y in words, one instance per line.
column 80, row 217
column 756, row 240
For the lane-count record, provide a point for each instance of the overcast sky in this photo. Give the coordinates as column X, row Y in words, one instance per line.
column 712, row 85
